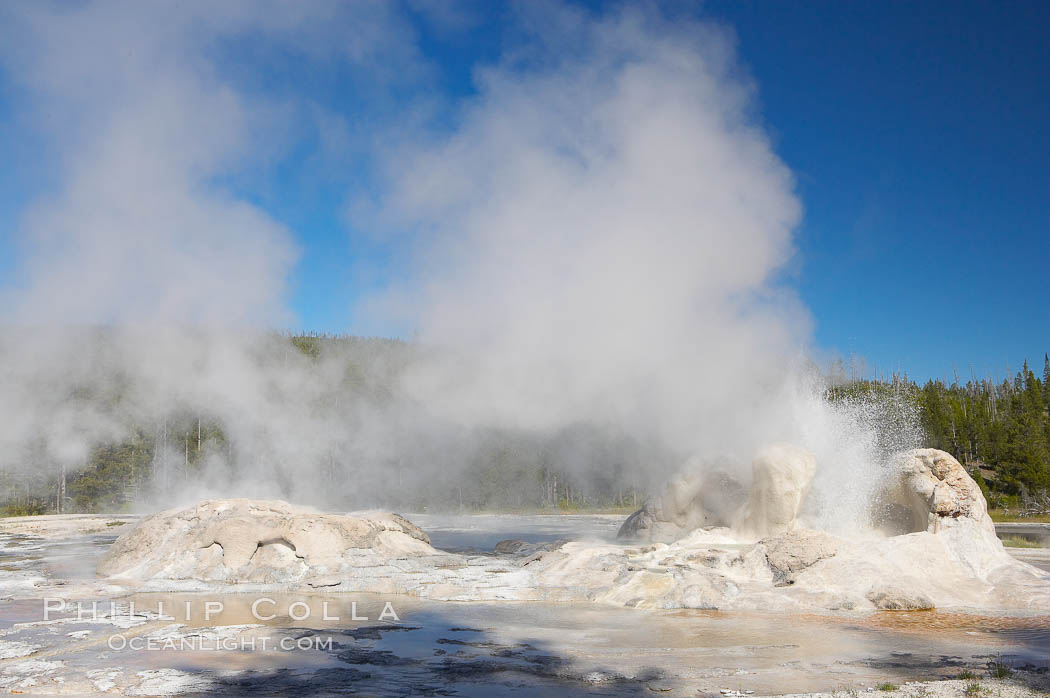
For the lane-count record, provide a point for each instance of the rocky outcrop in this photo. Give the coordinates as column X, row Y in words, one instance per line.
column 782, row 474
column 937, row 490
column 697, row 498
column 793, row 552
column 702, row 495
column 797, row 571
column 241, row 540
column 894, row 597
column 934, row 494
column 649, row 525
column 938, row 549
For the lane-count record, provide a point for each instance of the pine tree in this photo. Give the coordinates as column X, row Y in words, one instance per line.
column 1046, row 380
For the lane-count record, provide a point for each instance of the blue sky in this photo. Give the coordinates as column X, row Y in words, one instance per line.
column 920, row 137
column 918, row 134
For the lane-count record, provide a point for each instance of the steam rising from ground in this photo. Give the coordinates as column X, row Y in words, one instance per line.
column 603, row 232
column 596, row 248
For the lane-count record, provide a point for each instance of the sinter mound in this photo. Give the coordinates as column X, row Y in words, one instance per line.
column 708, row 544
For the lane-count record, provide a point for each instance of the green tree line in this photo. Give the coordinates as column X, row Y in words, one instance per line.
column 999, row 430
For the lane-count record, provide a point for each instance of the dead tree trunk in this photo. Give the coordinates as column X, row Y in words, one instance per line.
column 60, row 504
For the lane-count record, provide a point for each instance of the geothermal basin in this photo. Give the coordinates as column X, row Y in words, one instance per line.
column 193, row 601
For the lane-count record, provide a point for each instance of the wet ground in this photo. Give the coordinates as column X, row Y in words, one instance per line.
column 482, row 533
column 332, row 644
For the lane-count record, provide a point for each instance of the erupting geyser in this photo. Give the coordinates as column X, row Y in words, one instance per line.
column 931, row 544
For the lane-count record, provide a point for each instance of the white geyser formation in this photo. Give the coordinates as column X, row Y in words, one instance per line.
column 936, row 548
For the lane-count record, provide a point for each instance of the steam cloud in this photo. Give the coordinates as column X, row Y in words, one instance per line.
column 599, row 242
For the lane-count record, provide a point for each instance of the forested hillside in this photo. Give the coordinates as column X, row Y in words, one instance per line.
column 1000, row 431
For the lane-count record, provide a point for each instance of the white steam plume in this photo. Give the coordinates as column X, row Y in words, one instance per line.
column 143, row 277
column 605, row 233
column 597, row 247
column 604, row 237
